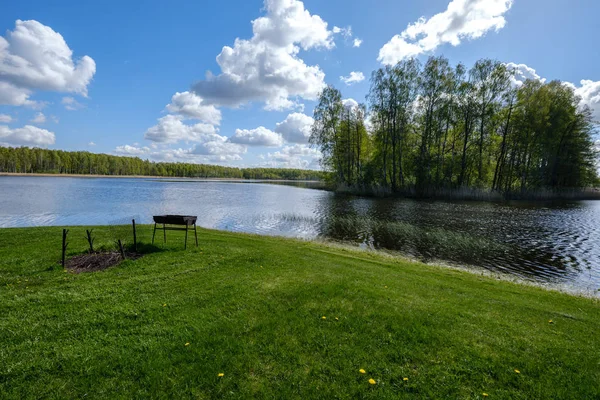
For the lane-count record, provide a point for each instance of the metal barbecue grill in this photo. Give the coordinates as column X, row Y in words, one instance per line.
column 173, row 223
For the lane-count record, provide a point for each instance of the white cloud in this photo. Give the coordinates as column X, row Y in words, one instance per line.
column 462, row 20
column 266, row 67
column 35, row 57
column 296, row 156
column 357, row 42
column 39, row 118
column 295, row 128
column 346, row 32
column 91, row 144
column 260, row 136
column 26, row 136
column 5, row 118
column 354, row 77
column 589, row 91
column 129, row 150
column 350, row 103
column 209, row 147
column 217, row 150
column 522, row 73
column 191, row 105
column 14, row 96
column 71, row 104
column 171, row 129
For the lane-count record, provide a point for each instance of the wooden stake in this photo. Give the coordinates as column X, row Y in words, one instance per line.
column 134, row 236
column 121, row 248
column 64, row 246
column 90, row 240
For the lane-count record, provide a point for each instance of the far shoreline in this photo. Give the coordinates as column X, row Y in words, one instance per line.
column 92, row 176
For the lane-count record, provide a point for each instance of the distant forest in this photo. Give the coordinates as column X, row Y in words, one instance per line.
column 36, row 160
column 435, row 128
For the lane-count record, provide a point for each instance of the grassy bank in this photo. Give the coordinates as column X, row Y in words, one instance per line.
column 251, row 308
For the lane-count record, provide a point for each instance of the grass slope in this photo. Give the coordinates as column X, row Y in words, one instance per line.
column 252, row 308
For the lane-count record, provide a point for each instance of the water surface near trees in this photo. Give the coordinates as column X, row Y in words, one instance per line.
column 556, row 243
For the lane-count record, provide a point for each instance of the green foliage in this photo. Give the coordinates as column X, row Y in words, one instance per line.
column 251, row 308
column 436, row 127
column 36, row 160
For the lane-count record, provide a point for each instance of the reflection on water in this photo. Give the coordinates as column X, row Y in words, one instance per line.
column 555, row 243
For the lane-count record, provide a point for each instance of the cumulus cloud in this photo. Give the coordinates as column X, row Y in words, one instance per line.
column 129, row 150
column 354, row 77
column 191, row 105
column 39, row 118
column 296, row 156
column 209, row 145
column 589, row 91
column 357, row 42
column 26, row 136
column 350, row 103
column 171, row 129
column 295, row 128
column 15, row 96
column 218, row 150
column 35, row 57
column 267, row 67
column 5, row 118
column 260, row 136
column 462, row 20
column 521, row 73
column 71, row 104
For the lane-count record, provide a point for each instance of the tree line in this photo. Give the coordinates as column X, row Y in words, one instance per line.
column 434, row 126
column 37, row 160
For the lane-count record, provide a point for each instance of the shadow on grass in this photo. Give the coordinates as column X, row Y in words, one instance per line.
column 147, row 248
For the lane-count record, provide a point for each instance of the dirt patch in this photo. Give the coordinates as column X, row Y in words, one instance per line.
column 96, row 261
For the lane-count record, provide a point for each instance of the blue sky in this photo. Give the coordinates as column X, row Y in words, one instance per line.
column 255, row 109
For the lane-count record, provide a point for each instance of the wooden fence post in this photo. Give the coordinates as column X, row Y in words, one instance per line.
column 64, row 246
column 134, row 236
column 121, row 248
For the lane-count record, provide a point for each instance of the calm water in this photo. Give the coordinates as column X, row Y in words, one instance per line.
column 557, row 244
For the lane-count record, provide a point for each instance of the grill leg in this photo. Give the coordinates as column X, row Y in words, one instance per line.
column 196, row 235
column 165, row 233
column 185, row 245
column 153, row 233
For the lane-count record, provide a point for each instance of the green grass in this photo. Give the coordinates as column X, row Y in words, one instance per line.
column 251, row 307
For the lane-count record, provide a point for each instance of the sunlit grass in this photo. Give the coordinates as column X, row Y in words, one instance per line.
column 242, row 317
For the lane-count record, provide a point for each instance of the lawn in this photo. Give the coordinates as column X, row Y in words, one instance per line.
column 280, row 319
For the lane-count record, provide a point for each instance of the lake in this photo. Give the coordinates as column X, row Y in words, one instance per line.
column 555, row 243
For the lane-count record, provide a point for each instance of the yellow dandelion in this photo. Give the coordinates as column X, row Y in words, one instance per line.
column 337, row 319
column 187, row 344
column 385, row 286
column 485, row 395
column 405, row 379
column 221, row 375
column 362, row 371
column 550, row 322
column 323, row 317
column 372, row 381
column 164, row 305
column 517, row 371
